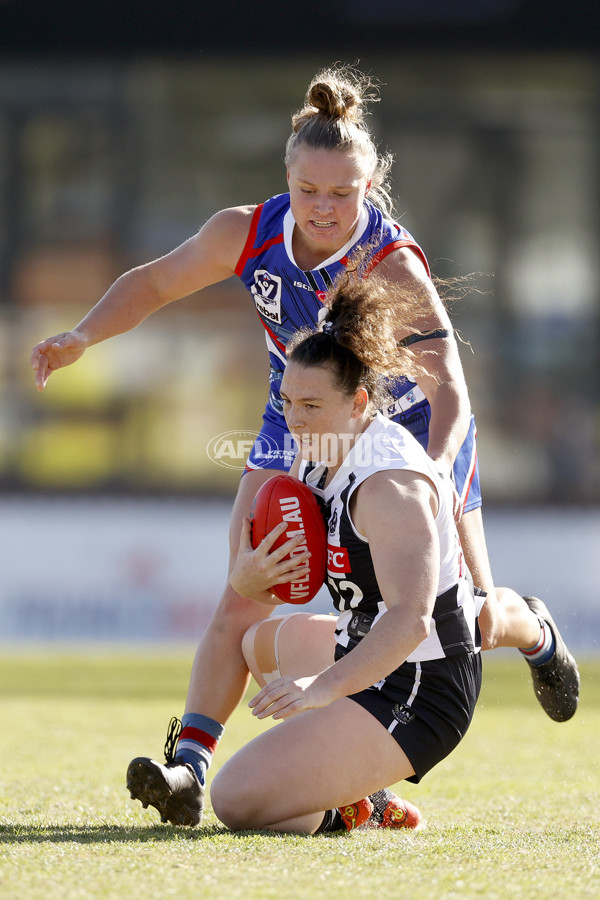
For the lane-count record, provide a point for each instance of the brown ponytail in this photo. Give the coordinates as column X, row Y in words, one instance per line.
column 357, row 338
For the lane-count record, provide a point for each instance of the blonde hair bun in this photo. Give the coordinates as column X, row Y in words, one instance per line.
column 333, row 118
column 337, row 93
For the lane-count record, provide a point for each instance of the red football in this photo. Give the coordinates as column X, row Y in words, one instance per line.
column 286, row 499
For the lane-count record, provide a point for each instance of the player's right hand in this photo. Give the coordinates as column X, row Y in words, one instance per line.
column 54, row 353
column 257, row 570
column 287, row 696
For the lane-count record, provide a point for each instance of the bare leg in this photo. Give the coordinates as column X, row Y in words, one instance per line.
column 505, row 620
column 291, row 787
column 218, row 682
column 298, row 644
column 219, row 674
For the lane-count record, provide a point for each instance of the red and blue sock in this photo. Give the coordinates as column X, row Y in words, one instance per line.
column 198, row 741
column 543, row 649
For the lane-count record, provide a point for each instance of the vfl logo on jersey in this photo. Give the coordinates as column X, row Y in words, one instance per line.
column 266, row 291
column 338, row 562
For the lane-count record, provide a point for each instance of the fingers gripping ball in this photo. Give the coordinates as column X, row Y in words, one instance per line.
column 286, row 499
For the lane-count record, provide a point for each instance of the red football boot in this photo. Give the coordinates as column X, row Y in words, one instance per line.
column 356, row 814
column 390, row 811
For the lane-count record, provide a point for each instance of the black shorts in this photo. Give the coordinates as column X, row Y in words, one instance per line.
column 428, row 707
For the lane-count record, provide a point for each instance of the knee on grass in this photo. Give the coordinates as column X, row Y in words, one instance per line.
column 235, row 807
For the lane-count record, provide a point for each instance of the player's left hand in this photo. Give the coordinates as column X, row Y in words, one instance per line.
column 288, row 696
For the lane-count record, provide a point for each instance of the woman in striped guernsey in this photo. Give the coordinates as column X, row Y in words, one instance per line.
column 399, row 670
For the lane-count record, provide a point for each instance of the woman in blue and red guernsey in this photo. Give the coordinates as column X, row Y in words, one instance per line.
column 288, row 252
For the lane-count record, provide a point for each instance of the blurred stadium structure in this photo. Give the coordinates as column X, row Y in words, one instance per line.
column 104, row 165
column 112, row 158
column 151, row 569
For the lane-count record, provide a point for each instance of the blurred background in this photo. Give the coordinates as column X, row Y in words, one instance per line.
column 123, row 127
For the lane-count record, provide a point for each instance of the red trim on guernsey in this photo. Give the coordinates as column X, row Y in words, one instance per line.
column 272, row 334
column 250, row 251
column 249, row 240
column 201, row 737
column 278, row 239
column 396, row 245
column 470, row 482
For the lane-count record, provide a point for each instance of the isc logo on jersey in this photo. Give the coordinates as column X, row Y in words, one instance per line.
column 338, row 562
column 266, row 291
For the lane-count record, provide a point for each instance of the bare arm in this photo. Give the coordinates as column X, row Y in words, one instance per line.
column 444, row 382
column 395, row 511
column 206, row 258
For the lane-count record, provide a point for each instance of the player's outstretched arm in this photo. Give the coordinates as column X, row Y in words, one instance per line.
column 206, row 258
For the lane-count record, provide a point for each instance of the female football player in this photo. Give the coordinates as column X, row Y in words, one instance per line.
column 288, row 251
column 388, row 689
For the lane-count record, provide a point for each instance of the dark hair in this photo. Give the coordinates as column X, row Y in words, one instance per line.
column 332, row 118
column 357, row 339
column 321, row 348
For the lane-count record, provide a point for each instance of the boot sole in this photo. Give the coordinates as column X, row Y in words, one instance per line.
column 145, row 783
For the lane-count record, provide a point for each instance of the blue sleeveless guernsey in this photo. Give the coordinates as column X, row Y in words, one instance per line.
column 288, row 298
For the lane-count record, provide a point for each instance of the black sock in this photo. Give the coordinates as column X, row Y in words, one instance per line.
column 332, row 821
column 380, row 800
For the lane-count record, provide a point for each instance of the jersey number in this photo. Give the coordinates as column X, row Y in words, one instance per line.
column 349, row 593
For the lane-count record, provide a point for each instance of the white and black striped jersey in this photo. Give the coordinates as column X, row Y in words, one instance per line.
column 350, row 574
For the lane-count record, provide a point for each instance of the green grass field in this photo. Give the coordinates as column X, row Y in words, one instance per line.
column 512, row 813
